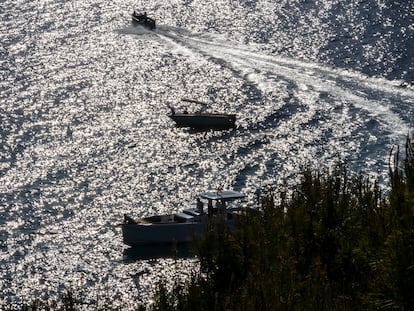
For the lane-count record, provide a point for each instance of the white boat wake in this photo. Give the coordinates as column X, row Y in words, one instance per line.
column 321, row 111
column 376, row 96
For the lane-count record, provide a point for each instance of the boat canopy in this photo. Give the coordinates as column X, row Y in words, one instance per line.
column 224, row 195
column 189, row 100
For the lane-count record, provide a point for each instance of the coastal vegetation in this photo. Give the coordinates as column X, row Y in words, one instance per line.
column 337, row 241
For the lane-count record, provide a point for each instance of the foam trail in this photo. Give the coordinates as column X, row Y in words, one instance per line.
column 381, row 84
column 343, row 85
column 376, row 96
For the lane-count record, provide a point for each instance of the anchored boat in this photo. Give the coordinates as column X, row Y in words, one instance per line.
column 183, row 226
column 202, row 119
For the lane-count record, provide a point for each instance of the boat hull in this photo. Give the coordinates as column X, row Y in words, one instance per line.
column 141, row 234
column 158, row 250
column 199, row 121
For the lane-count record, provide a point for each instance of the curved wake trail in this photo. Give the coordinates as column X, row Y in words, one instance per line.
column 381, row 99
column 306, row 112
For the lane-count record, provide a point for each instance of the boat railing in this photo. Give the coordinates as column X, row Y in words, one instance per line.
column 194, row 101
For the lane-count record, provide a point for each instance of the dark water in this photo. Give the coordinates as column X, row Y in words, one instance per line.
column 85, row 138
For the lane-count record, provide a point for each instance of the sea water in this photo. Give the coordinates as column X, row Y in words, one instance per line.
column 85, row 136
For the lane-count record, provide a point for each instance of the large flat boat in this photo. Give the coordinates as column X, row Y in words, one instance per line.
column 182, row 226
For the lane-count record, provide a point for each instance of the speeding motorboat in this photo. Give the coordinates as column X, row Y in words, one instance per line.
column 143, row 20
column 202, row 119
column 183, row 226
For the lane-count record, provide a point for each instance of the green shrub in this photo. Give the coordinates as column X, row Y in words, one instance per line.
column 337, row 243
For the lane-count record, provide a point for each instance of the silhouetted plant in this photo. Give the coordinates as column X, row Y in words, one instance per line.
column 336, row 243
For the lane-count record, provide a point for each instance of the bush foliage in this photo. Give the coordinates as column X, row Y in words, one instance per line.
column 337, row 243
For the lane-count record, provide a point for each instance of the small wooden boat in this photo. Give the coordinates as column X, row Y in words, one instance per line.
column 202, row 119
column 143, row 20
column 183, row 226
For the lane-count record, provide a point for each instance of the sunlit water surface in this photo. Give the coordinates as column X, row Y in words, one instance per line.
column 85, row 135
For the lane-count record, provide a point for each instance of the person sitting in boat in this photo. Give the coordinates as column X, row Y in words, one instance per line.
column 140, row 16
column 202, row 109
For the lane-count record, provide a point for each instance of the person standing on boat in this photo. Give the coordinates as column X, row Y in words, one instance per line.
column 210, row 208
column 172, row 110
column 200, row 206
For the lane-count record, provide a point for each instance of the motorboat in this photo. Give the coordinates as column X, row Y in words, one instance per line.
column 183, row 226
column 143, row 20
column 202, row 119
